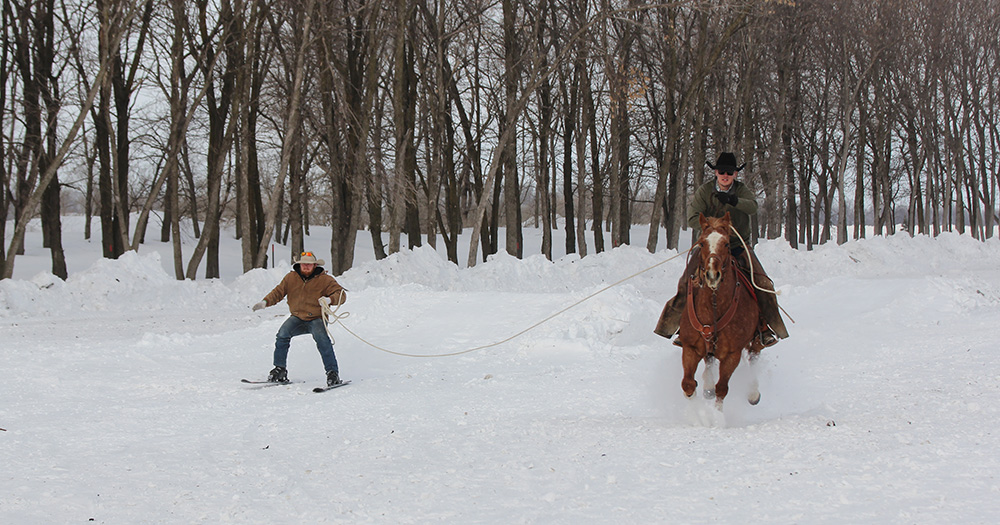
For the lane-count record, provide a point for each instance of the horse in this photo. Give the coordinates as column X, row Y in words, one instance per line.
column 721, row 316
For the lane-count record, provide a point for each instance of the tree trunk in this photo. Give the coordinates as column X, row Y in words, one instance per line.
column 248, row 81
column 860, row 223
column 353, row 53
column 296, row 181
column 540, row 15
column 221, row 130
column 570, row 91
column 511, row 187
column 596, row 175
column 404, row 116
column 581, row 157
column 375, row 185
column 290, row 136
column 5, row 71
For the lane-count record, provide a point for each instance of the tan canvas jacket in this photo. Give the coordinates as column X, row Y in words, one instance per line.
column 303, row 293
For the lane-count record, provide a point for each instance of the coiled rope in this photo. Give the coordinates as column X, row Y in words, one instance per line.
column 750, row 261
column 331, row 316
column 752, row 280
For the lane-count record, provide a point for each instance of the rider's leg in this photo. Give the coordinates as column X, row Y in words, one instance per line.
column 670, row 318
column 768, row 303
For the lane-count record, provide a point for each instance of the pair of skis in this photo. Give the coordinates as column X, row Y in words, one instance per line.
column 318, row 390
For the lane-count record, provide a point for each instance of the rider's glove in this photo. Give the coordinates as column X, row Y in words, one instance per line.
column 727, row 198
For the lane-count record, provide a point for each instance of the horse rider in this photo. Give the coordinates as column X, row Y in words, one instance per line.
column 714, row 199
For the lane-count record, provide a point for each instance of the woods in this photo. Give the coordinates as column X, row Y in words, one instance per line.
column 417, row 119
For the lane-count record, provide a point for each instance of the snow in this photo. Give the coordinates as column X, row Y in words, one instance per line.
column 121, row 399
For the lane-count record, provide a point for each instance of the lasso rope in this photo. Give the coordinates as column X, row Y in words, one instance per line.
column 752, row 280
column 330, row 316
column 750, row 261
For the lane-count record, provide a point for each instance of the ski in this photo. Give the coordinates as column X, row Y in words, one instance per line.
column 321, row 389
column 266, row 384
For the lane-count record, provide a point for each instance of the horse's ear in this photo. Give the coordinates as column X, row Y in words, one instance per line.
column 703, row 221
column 727, row 218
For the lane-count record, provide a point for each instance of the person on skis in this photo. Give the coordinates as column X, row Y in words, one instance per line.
column 713, row 199
column 308, row 289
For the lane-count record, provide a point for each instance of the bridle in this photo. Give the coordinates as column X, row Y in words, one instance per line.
column 709, row 332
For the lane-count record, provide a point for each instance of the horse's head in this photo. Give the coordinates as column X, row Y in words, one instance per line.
column 714, row 243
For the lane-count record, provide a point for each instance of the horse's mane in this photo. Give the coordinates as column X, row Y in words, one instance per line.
column 712, row 224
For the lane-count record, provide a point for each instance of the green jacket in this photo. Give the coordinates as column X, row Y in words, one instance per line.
column 704, row 201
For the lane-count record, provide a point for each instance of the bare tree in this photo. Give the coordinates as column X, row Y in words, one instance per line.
column 248, row 49
column 35, row 59
column 511, row 80
column 179, row 85
column 350, row 44
column 404, row 85
column 31, row 201
column 221, row 126
column 679, row 64
column 293, row 110
column 5, row 72
column 569, row 92
column 393, row 108
column 538, row 17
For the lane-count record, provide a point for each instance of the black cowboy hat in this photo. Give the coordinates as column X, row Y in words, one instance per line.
column 726, row 162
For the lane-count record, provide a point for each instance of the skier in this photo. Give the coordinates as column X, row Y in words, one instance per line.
column 308, row 287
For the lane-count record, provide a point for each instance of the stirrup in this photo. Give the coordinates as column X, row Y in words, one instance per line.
column 767, row 338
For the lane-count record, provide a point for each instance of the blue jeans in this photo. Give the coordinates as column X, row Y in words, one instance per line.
column 295, row 326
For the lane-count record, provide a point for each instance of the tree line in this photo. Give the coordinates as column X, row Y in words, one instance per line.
column 415, row 119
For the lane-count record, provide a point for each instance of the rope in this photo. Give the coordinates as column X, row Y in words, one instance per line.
column 746, row 249
column 754, row 282
column 332, row 317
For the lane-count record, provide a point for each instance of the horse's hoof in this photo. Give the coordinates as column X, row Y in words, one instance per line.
column 754, row 398
column 710, row 393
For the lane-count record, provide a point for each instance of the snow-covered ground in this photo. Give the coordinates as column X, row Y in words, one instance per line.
column 121, row 402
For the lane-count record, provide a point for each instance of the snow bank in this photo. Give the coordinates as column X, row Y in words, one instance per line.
column 122, row 401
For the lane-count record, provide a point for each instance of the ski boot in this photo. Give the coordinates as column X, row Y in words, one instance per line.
column 278, row 375
column 332, row 378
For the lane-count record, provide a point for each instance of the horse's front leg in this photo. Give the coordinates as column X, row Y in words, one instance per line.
column 727, row 365
column 710, row 375
column 689, row 359
column 754, row 396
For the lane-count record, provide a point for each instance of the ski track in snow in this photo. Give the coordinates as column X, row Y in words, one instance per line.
column 122, row 401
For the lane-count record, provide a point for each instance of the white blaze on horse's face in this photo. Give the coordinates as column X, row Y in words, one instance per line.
column 713, row 267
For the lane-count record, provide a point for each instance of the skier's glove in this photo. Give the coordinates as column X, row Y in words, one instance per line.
column 727, row 198
column 259, row 306
column 324, row 301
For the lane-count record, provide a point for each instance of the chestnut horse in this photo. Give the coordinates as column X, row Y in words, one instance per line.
column 721, row 316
